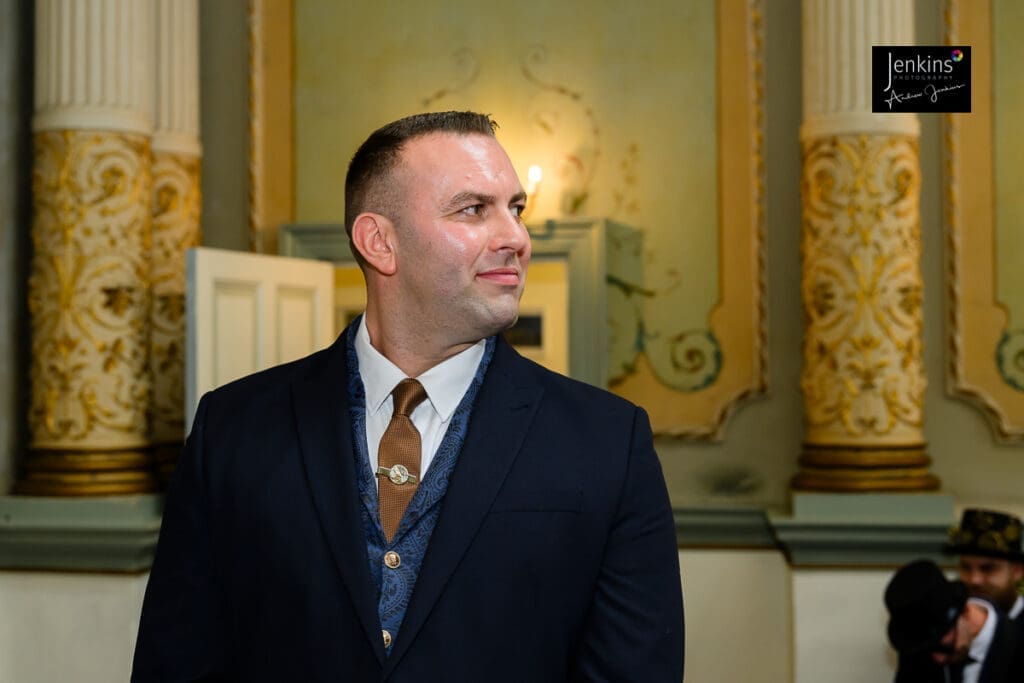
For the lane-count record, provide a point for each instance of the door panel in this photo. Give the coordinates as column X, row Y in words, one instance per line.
column 247, row 312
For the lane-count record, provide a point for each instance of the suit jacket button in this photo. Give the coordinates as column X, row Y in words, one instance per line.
column 387, row 638
column 392, row 559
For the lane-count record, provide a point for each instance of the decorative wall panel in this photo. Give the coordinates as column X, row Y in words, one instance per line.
column 629, row 130
column 985, row 237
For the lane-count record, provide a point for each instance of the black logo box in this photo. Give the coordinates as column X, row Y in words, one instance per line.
column 920, row 78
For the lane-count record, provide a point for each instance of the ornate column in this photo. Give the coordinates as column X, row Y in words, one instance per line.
column 89, row 285
column 176, row 208
column 863, row 378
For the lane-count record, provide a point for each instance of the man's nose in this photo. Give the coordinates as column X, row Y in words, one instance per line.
column 512, row 235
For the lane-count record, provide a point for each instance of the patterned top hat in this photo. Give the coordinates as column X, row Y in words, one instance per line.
column 988, row 533
column 923, row 605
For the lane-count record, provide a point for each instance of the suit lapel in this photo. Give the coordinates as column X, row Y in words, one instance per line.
column 498, row 424
column 996, row 666
column 325, row 438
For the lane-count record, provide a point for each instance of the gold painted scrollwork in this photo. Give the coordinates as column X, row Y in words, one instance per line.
column 690, row 378
column 89, row 290
column 1010, row 358
column 863, row 376
column 176, row 206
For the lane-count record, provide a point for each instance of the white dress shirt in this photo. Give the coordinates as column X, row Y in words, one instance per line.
column 981, row 643
column 446, row 383
column 1018, row 607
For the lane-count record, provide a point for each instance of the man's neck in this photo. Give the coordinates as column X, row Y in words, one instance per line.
column 413, row 354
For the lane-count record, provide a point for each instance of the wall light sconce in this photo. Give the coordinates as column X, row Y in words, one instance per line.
column 533, row 177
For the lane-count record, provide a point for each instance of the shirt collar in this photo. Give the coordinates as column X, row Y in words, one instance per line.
column 1018, row 607
column 445, row 383
column 981, row 642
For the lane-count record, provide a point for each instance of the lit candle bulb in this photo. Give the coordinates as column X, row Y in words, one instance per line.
column 533, row 178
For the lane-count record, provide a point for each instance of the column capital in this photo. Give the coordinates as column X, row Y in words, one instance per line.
column 94, row 66
column 176, row 109
column 837, row 39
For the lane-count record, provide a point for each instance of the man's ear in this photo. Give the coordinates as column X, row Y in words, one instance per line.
column 372, row 235
column 1018, row 571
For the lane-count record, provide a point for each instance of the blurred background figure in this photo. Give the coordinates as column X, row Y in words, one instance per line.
column 991, row 563
column 942, row 635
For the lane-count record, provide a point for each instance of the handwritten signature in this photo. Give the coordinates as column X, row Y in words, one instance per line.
column 930, row 90
column 933, row 92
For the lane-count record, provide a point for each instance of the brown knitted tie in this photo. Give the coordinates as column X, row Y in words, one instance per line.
column 399, row 457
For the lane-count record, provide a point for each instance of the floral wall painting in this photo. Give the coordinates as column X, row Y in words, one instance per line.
column 985, row 218
column 625, row 130
column 560, row 114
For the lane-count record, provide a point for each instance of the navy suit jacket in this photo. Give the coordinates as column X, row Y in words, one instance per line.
column 1004, row 662
column 554, row 557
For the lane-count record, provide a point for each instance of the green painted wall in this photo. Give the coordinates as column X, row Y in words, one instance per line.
column 616, row 102
column 224, row 122
column 762, row 441
column 1008, row 82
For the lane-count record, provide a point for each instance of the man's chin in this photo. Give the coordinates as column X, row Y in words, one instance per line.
column 500, row 323
column 486, row 317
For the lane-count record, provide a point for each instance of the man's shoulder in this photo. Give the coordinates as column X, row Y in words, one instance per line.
column 558, row 387
column 273, row 381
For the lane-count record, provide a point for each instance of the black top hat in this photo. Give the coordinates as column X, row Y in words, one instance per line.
column 988, row 533
column 923, row 605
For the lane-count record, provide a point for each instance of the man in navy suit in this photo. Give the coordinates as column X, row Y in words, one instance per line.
column 535, row 541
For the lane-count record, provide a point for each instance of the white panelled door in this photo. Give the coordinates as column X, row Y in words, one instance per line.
column 246, row 312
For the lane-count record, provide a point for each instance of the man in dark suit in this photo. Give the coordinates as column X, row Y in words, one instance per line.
column 417, row 502
column 990, row 560
column 943, row 636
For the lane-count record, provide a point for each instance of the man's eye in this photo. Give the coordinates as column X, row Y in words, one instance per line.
column 474, row 210
column 518, row 210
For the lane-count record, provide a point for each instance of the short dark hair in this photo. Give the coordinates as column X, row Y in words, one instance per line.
column 366, row 187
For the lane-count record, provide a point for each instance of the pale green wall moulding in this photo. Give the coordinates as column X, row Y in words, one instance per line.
column 119, row 534
column 115, row 534
column 865, row 529
column 722, row 528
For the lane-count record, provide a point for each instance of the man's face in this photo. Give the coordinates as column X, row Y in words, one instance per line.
column 992, row 579
column 462, row 249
